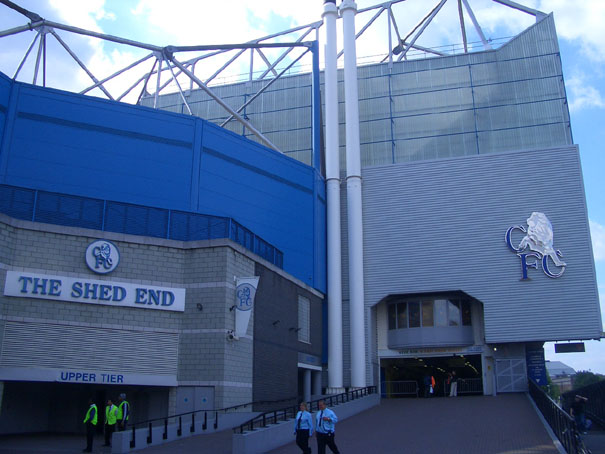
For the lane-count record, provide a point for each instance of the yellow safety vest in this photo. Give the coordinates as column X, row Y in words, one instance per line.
column 121, row 410
column 111, row 414
column 94, row 418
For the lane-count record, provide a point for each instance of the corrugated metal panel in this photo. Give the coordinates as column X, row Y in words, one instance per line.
column 32, row 344
column 440, row 225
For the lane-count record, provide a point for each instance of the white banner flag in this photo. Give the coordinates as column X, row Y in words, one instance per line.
column 245, row 291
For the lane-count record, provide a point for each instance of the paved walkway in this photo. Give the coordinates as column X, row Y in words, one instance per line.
column 505, row 424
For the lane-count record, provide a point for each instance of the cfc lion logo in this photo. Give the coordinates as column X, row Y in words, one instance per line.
column 539, row 239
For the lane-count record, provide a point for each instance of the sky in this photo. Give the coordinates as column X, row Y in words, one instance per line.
column 181, row 22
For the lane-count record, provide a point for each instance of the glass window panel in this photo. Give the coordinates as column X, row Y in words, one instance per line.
column 427, row 313
column 453, row 312
column 440, row 313
column 392, row 316
column 402, row 316
column 304, row 319
column 466, row 313
column 414, row 314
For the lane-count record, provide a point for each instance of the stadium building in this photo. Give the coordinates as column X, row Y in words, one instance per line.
column 132, row 238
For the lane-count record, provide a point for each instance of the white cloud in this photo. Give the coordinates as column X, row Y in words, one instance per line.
column 580, row 22
column 597, row 232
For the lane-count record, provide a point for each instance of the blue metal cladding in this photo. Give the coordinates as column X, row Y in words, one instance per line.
column 110, row 166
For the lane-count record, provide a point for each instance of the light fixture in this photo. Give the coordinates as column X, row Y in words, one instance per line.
column 199, row 307
column 275, row 322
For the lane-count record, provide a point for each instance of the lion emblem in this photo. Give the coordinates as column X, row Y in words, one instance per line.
column 539, row 238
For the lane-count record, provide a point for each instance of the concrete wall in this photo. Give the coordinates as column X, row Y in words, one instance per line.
column 276, row 344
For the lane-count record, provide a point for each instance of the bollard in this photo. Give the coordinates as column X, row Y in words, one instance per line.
column 149, row 437
column 215, row 420
column 133, row 440
column 165, row 435
column 205, row 425
column 179, row 431
column 192, row 429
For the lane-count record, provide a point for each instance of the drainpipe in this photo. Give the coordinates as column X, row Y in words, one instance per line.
column 335, row 382
column 348, row 9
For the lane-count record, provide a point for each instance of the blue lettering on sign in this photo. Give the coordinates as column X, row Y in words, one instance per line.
column 79, row 376
column 100, row 292
column 39, row 286
column 154, row 297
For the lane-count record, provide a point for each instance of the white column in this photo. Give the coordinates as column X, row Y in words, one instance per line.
column 348, row 9
column 307, row 385
column 335, row 383
column 316, row 386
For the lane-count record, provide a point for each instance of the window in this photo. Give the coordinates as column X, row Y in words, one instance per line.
column 392, row 316
column 427, row 313
column 402, row 316
column 466, row 313
column 453, row 312
column 304, row 319
column 440, row 313
column 414, row 314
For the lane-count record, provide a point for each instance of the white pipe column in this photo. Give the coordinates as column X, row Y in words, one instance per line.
column 348, row 10
column 335, row 383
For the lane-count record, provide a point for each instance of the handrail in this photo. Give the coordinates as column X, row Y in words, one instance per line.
column 595, row 406
column 563, row 425
column 284, row 414
column 149, row 422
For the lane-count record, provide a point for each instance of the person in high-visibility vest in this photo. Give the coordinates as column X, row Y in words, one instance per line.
column 91, row 423
column 111, row 417
column 123, row 412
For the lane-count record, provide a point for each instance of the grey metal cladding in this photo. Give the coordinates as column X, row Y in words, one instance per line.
column 439, row 225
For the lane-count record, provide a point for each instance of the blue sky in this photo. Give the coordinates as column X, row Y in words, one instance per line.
column 579, row 26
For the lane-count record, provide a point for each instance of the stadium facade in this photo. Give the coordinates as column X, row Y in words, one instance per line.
column 476, row 244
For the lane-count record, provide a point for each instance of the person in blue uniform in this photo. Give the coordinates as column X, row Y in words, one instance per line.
column 303, row 428
column 325, row 419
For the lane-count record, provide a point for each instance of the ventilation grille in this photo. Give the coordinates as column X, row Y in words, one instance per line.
column 45, row 345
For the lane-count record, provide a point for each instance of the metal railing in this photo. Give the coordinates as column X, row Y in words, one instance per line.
column 189, row 423
column 106, row 215
column 465, row 386
column 595, row 406
column 400, row 388
column 287, row 413
column 563, row 425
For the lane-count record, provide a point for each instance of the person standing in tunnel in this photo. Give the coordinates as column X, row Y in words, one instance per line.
column 90, row 420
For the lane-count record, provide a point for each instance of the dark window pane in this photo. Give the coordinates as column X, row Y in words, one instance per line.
column 453, row 312
column 392, row 316
column 402, row 319
column 427, row 313
column 466, row 313
column 414, row 309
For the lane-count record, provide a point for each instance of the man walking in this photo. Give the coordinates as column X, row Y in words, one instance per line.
column 91, row 423
column 111, row 417
column 325, row 419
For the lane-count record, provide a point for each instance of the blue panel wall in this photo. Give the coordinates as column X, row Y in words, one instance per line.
column 73, row 144
column 267, row 193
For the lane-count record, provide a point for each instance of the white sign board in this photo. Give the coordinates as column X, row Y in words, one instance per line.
column 91, row 291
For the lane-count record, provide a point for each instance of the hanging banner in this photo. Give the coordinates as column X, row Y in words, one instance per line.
column 245, row 291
